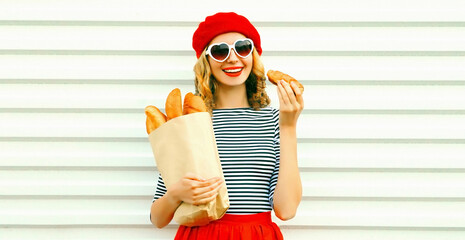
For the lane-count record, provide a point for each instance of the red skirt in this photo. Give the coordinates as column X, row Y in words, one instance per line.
column 233, row 226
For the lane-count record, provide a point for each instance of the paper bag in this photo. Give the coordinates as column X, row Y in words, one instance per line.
column 187, row 144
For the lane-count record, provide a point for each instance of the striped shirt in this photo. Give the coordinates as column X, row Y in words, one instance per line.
column 248, row 147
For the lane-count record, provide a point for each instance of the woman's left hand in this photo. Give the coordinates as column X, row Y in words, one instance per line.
column 291, row 103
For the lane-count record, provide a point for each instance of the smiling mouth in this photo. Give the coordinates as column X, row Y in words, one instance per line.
column 233, row 72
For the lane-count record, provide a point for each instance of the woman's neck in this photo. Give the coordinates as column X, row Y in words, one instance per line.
column 231, row 97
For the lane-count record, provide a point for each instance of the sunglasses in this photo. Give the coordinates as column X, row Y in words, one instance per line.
column 221, row 51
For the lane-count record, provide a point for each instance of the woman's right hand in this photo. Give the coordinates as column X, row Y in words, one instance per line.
column 195, row 190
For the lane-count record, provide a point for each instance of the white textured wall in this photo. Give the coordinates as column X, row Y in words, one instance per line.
column 381, row 139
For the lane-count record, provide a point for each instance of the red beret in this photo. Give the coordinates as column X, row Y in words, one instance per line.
column 220, row 23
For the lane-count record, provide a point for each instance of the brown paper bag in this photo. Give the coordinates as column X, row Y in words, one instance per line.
column 187, row 144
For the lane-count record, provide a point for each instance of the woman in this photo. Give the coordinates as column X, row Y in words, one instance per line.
column 257, row 144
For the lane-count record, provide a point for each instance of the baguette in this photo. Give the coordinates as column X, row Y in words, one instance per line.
column 275, row 76
column 193, row 104
column 155, row 118
column 173, row 105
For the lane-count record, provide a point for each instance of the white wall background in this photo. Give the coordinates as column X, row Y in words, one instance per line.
column 381, row 140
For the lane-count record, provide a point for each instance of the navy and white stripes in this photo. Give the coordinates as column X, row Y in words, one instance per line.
column 248, row 146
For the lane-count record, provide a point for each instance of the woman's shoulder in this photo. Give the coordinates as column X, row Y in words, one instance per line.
column 272, row 110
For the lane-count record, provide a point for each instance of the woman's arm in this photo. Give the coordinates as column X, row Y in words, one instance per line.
column 190, row 189
column 288, row 191
column 162, row 210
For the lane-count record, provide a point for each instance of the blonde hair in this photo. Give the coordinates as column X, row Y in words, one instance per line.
column 206, row 84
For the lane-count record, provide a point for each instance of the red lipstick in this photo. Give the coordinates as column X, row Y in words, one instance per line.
column 233, row 71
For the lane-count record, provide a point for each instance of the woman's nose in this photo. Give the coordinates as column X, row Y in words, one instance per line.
column 232, row 56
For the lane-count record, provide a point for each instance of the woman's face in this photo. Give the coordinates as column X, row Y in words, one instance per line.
column 234, row 70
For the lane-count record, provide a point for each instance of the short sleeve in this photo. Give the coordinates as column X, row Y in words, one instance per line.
column 161, row 189
column 276, row 145
column 159, row 192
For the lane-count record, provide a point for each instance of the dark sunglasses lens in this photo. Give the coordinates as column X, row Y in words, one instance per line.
column 220, row 52
column 243, row 48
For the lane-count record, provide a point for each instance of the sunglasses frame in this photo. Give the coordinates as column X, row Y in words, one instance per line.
column 233, row 46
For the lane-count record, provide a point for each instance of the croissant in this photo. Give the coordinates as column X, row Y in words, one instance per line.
column 193, row 104
column 275, row 76
column 155, row 118
column 173, row 105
